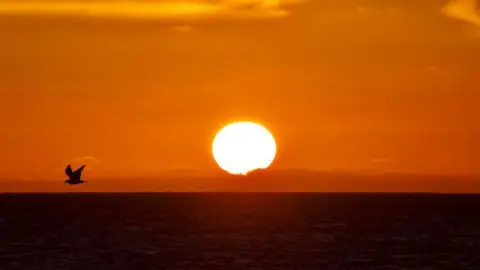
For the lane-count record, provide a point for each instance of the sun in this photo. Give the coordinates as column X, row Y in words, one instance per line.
column 242, row 147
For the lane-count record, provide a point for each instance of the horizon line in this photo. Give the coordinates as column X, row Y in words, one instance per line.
column 170, row 174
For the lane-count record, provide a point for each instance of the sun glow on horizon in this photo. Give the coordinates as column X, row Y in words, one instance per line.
column 242, row 147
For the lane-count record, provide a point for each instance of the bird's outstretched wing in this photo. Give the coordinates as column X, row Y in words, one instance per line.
column 68, row 171
column 79, row 171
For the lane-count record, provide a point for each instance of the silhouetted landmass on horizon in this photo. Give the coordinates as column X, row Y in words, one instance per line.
column 295, row 180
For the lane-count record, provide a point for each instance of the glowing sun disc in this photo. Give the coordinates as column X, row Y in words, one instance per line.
column 241, row 147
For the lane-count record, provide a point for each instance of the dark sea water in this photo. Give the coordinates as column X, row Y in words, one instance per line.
column 239, row 231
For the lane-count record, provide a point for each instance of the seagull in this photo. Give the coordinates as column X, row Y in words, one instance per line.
column 74, row 175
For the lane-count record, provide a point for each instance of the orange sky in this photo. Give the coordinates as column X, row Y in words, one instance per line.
column 355, row 85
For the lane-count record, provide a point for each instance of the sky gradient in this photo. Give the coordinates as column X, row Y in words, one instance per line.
column 140, row 87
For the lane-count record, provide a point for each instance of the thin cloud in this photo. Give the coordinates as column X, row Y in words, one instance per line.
column 465, row 10
column 182, row 28
column 159, row 10
column 381, row 160
column 87, row 159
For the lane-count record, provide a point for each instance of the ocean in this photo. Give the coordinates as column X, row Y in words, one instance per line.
column 239, row 231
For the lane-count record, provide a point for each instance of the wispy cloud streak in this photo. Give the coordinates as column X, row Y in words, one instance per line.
column 465, row 10
column 161, row 10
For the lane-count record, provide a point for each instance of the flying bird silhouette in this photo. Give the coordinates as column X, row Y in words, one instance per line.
column 74, row 176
